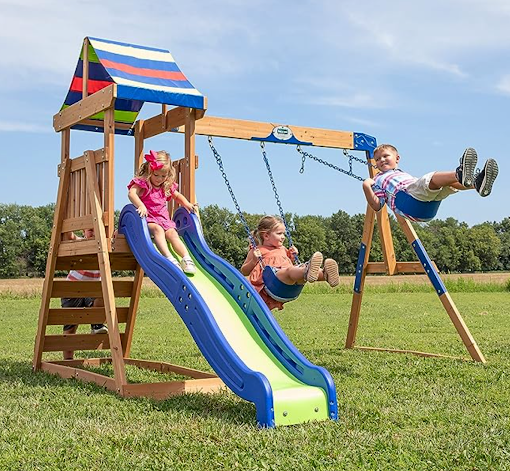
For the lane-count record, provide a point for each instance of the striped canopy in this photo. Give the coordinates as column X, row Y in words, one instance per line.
column 141, row 74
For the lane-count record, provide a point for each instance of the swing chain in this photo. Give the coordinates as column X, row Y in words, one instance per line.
column 277, row 197
column 349, row 172
column 219, row 161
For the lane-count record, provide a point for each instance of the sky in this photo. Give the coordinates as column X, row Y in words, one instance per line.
column 431, row 77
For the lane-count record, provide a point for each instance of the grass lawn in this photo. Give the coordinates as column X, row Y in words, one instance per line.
column 396, row 412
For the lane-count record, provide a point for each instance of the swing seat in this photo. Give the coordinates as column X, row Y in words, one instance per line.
column 277, row 289
column 420, row 210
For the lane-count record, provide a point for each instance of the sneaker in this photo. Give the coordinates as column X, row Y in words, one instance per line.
column 465, row 172
column 188, row 266
column 313, row 267
column 485, row 178
column 98, row 329
column 330, row 270
column 173, row 260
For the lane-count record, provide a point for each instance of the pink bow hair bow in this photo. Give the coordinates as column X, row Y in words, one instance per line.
column 152, row 158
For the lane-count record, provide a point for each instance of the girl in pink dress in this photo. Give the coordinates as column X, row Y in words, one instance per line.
column 270, row 235
column 150, row 191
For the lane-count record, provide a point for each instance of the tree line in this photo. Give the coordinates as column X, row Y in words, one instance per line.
column 25, row 233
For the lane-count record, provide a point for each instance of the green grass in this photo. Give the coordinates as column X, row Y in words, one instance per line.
column 396, row 412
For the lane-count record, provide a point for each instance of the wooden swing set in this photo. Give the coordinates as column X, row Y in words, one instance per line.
column 85, row 199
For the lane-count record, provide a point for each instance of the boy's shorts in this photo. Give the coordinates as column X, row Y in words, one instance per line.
column 421, row 191
column 75, row 302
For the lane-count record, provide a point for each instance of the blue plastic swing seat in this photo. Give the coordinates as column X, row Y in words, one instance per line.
column 419, row 210
column 277, row 289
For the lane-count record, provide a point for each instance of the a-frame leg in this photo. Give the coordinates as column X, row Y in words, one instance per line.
column 65, row 171
column 361, row 272
column 441, row 291
column 106, row 273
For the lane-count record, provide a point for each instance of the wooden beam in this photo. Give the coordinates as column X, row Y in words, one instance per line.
column 85, row 74
column 83, row 315
column 401, row 267
column 411, row 352
column 57, row 343
column 173, row 119
column 85, row 108
column 89, row 289
column 162, row 367
column 83, row 375
column 241, row 129
column 132, row 310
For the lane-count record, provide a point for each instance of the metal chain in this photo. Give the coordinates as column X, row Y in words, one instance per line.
column 217, row 156
column 349, row 172
column 277, row 197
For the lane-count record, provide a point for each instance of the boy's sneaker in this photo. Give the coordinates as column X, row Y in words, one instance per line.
column 312, row 267
column 485, row 178
column 465, row 172
column 188, row 266
column 330, row 270
column 98, row 329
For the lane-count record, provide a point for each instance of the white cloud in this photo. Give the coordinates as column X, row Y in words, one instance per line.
column 504, row 85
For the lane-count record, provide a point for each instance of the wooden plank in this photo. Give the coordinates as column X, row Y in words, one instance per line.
column 83, row 315
column 174, row 118
column 82, row 375
column 118, row 261
column 163, row 367
column 82, row 362
column 77, row 224
column 77, row 247
column 164, row 390
column 92, row 289
column 99, row 124
column 57, row 343
column 241, row 129
column 85, row 108
column 412, row 352
column 401, row 267
column 52, row 251
column 78, row 163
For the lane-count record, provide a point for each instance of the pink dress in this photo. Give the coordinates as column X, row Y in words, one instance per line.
column 278, row 258
column 156, row 202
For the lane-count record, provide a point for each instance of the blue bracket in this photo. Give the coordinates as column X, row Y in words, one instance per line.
column 359, row 268
column 282, row 135
column 428, row 266
column 364, row 142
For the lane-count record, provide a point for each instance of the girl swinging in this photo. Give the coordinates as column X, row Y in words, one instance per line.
column 269, row 236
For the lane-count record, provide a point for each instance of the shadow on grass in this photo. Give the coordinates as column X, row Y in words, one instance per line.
column 224, row 406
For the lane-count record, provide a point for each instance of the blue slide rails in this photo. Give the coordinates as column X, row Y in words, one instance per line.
column 234, row 329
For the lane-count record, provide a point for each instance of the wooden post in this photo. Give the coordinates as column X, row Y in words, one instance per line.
column 85, row 79
column 361, row 272
column 109, row 139
column 190, row 158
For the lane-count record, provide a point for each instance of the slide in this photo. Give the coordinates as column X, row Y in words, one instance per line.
column 234, row 329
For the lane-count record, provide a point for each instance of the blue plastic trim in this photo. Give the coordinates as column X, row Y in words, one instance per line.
column 364, row 142
column 420, row 210
column 189, row 304
column 159, row 96
column 256, row 311
column 359, row 267
column 427, row 264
